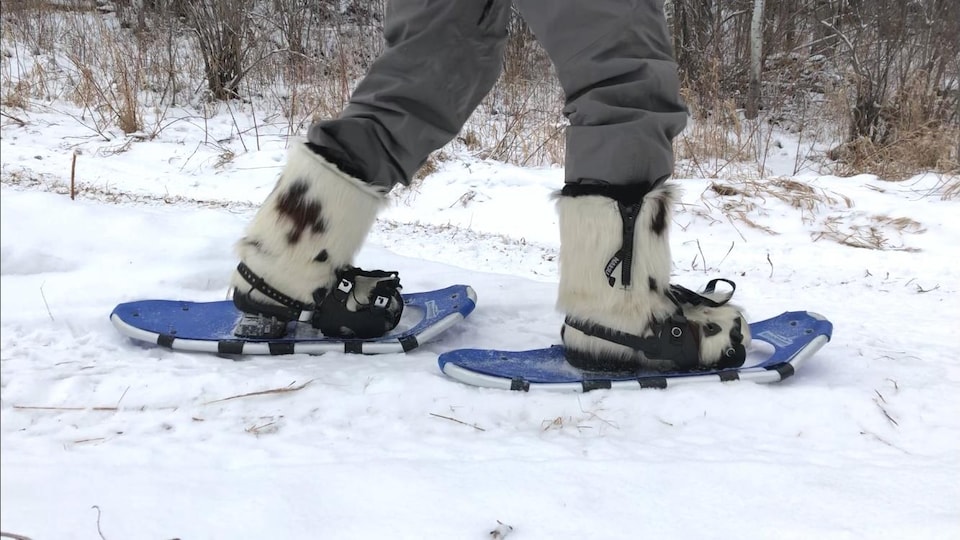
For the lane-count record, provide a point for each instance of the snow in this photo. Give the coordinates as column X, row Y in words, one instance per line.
column 864, row 442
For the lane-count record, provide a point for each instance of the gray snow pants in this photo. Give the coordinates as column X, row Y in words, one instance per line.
column 613, row 59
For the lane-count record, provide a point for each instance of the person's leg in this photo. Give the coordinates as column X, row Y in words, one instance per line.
column 441, row 58
column 614, row 61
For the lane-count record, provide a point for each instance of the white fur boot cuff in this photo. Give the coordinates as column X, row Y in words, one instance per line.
column 312, row 223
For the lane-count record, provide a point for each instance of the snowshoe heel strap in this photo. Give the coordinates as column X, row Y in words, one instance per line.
column 285, row 308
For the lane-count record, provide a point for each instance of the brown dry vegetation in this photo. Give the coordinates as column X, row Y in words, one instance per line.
column 861, row 87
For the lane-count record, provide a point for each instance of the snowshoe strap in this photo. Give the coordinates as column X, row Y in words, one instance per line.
column 285, row 309
column 365, row 304
column 682, row 295
column 675, row 340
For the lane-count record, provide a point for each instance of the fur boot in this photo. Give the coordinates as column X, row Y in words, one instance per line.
column 622, row 312
column 308, row 229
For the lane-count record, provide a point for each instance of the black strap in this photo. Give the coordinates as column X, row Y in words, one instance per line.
column 647, row 345
column 682, row 295
column 675, row 340
column 286, row 309
column 263, row 287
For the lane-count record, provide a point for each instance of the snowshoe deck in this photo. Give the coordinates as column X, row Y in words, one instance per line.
column 209, row 326
column 781, row 345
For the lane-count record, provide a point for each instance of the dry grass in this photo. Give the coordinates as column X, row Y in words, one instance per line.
column 452, row 419
column 429, row 167
column 712, row 140
column 119, row 74
column 15, row 97
column 521, row 122
column 281, row 390
column 950, row 189
column 740, row 198
column 924, row 149
column 917, row 132
column 109, row 87
column 827, row 211
column 871, row 235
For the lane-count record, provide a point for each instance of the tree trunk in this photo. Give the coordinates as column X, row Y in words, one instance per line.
column 756, row 60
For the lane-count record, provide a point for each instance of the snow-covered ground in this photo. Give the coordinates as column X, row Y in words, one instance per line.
column 104, row 438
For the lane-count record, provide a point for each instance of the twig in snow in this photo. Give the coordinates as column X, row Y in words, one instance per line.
column 560, row 423
column 884, row 441
column 727, row 254
column 501, row 531
column 54, row 408
column 14, row 536
column 121, row 396
column 734, row 225
column 257, row 430
column 73, row 177
column 97, row 508
column 921, row 290
column 885, row 413
column 702, row 256
column 94, row 439
column 99, row 408
column 771, row 264
column 20, row 123
column 282, row 390
column 880, row 403
column 45, row 304
column 595, row 415
column 474, row 426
